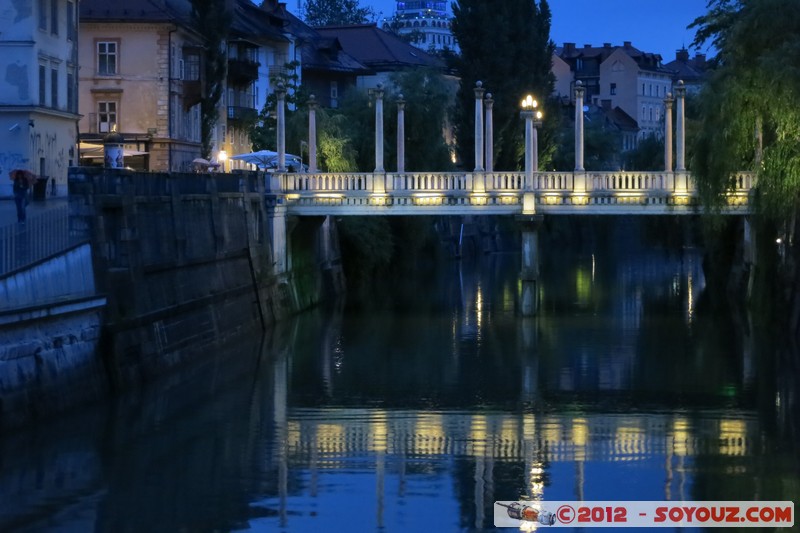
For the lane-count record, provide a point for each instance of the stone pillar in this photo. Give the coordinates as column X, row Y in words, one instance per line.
column 529, row 275
column 668, row 133
column 401, row 135
column 537, row 123
column 280, row 94
column 278, row 233
column 528, row 198
column 379, row 128
column 312, row 133
column 489, row 133
column 479, row 90
column 579, row 92
column 680, row 95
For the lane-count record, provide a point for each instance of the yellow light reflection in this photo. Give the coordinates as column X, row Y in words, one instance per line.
column 732, row 437
column 477, row 435
column 580, row 434
column 378, row 432
column 680, row 437
column 479, row 308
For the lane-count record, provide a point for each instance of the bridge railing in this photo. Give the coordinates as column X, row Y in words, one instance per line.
column 657, row 184
column 429, row 182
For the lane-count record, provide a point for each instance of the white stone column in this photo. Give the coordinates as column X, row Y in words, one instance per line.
column 401, row 135
column 312, row 133
column 537, row 123
column 680, row 95
column 479, row 90
column 668, row 132
column 379, row 128
column 528, row 198
column 489, row 103
column 579, row 92
column 280, row 93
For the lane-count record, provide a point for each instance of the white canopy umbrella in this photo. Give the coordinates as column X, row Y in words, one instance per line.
column 262, row 158
column 267, row 159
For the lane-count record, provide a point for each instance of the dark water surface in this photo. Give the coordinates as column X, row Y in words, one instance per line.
column 417, row 409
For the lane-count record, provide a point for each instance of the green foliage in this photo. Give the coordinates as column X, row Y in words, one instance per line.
column 367, row 244
column 507, row 46
column 648, row 155
column 427, row 98
column 756, row 85
column 336, row 13
column 601, row 145
column 212, row 20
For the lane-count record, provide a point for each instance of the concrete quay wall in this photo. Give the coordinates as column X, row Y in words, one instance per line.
column 188, row 261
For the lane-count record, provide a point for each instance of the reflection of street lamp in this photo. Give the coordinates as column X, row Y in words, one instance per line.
column 222, row 156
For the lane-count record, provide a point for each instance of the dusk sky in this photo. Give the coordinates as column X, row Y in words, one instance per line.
column 651, row 25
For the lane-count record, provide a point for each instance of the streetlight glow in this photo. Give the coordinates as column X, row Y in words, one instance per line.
column 529, row 103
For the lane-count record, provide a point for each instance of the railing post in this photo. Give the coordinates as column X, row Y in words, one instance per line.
column 379, row 129
column 489, row 133
column 680, row 94
column 312, row 134
column 401, row 135
column 579, row 92
column 668, row 132
column 479, row 90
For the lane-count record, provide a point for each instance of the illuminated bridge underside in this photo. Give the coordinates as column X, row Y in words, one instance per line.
column 503, row 193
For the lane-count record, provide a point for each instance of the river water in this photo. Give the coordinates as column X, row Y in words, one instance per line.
column 418, row 408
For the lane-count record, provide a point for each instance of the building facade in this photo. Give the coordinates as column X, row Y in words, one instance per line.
column 623, row 79
column 141, row 76
column 426, row 24
column 38, row 91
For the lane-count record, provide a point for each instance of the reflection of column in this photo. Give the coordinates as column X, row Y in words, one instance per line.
column 312, row 134
column 401, row 135
column 579, row 92
column 529, row 275
column 680, row 127
column 380, row 468
column 479, row 482
column 668, row 133
column 280, row 393
column 489, row 133
column 530, row 360
column 280, row 93
column 479, row 90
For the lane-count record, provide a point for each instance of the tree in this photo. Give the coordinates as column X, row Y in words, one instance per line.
column 754, row 87
column 212, row 20
column 336, row 13
column 507, row 46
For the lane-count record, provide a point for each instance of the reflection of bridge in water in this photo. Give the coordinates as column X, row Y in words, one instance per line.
column 333, row 432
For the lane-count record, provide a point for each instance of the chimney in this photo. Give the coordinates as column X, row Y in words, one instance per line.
column 626, row 44
column 587, row 45
column 606, row 45
column 682, row 55
column 569, row 47
column 700, row 60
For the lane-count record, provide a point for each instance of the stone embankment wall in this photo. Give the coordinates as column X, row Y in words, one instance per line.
column 50, row 323
column 187, row 262
column 172, row 266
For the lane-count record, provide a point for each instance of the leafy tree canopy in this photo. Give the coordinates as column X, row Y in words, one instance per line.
column 336, row 13
column 750, row 116
column 507, row 46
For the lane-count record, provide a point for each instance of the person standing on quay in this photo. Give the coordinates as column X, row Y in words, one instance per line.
column 22, row 184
